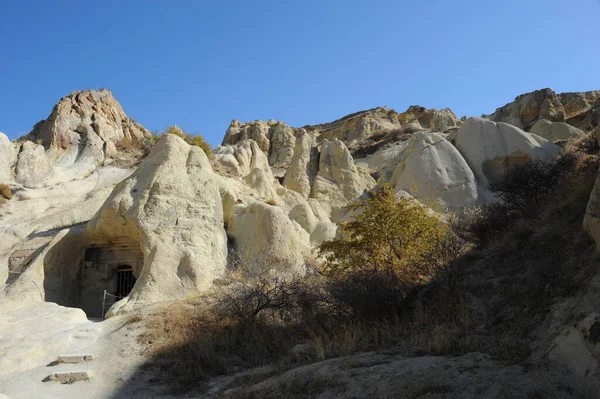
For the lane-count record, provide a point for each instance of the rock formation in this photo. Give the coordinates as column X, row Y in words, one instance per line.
column 581, row 110
column 489, row 148
column 172, row 206
column 432, row 169
column 76, row 221
column 83, row 130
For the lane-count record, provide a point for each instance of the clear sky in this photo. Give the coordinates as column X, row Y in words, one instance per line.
column 200, row 64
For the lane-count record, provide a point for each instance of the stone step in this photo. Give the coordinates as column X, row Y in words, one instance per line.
column 73, row 359
column 68, row 377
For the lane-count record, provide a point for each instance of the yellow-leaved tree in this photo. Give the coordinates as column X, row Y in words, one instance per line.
column 387, row 233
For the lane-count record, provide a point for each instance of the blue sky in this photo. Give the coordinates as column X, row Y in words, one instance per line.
column 200, row 64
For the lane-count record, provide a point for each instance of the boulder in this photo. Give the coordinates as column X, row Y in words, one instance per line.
column 490, row 148
column 555, row 131
column 263, row 231
column 432, row 169
column 172, row 206
column 8, row 158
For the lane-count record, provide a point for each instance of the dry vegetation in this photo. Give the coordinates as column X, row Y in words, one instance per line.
column 5, row 193
column 191, row 139
column 398, row 281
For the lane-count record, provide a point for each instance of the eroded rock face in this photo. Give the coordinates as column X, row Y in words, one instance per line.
column 580, row 110
column 357, row 131
column 433, row 170
column 526, row 109
column 304, row 165
column 490, row 148
column 171, row 204
column 83, row 129
column 338, row 181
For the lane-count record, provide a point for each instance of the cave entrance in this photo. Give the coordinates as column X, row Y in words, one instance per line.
column 125, row 281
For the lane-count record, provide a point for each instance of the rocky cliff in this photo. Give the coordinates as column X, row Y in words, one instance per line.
column 269, row 189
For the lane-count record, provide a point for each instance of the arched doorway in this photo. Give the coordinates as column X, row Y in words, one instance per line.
column 124, row 281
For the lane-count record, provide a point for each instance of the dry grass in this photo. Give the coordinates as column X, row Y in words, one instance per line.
column 190, row 342
column 5, row 192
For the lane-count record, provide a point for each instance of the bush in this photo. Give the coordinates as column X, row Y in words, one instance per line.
column 387, row 233
column 366, row 295
column 524, row 185
column 191, row 139
column 520, row 193
column 256, row 289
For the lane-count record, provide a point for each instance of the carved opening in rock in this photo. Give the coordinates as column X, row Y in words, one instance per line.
column 109, row 268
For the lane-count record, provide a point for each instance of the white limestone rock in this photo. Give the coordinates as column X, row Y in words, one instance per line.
column 489, row 147
column 171, row 204
column 432, row 169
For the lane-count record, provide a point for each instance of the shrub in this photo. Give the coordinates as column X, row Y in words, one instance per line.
column 520, row 193
column 387, row 233
column 366, row 294
column 191, row 139
column 256, row 288
column 524, row 185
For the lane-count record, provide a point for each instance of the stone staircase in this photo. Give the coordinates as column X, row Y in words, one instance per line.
column 71, row 376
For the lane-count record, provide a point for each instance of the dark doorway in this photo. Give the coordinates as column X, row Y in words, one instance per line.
column 125, row 281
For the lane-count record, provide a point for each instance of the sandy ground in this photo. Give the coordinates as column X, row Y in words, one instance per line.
column 33, row 336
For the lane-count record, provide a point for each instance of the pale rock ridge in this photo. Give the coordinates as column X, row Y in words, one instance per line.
column 432, row 169
column 356, row 130
column 171, row 204
column 490, row 148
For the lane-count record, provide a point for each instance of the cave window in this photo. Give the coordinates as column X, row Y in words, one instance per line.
column 125, row 281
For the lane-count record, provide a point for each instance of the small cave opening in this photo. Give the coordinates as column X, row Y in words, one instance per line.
column 107, row 275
